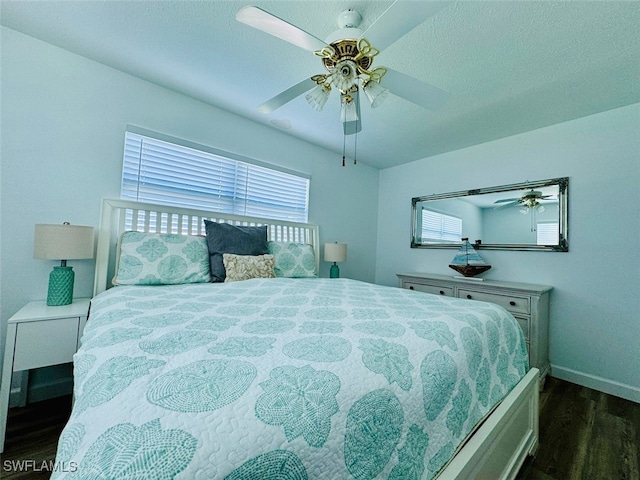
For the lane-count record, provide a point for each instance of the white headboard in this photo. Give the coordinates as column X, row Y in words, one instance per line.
column 147, row 217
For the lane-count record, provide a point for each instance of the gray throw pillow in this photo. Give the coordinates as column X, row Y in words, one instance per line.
column 240, row 240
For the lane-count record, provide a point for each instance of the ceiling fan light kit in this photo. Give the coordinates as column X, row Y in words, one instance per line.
column 348, row 112
column 348, row 56
column 374, row 92
column 320, row 94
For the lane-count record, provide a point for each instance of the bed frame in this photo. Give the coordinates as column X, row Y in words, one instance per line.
column 122, row 215
column 497, row 448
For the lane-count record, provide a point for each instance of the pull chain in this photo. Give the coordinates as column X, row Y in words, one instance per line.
column 355, row 148
column 344, row 147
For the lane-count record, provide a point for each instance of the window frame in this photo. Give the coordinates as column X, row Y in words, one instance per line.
column 237, row 184
column 443, row 235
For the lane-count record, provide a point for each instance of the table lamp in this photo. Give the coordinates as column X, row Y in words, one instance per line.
column 335, row 252
column 62, row 242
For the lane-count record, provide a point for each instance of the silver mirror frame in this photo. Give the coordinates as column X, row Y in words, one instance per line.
column 563, row 200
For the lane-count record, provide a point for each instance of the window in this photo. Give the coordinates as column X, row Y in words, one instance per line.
column 174, row 172
column 440, row 227
column 547, row 234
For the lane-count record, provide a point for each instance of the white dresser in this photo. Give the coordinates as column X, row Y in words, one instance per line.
column 528, row 303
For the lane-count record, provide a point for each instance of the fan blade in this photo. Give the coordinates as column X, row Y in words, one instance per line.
column 288, row 95
column 414, row 90
column 507, row 200
column 257, row 18
column 505, row 205
column 398, row 20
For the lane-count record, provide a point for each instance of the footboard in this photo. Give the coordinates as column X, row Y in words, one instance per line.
column 499, row 447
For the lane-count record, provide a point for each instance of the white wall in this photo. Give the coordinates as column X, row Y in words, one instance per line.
column 595, row 311
column 509, row 225
column 63, row 119
column 63, row 122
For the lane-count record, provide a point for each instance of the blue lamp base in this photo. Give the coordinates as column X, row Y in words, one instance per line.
column 60, row 286
column 335, row 271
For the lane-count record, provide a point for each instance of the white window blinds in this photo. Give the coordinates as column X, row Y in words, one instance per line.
column 169, row 173
column 547, row 234
column 437, row 226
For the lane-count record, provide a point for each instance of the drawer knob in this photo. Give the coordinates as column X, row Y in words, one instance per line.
column 441, row 292
column 469, row 297
column 411, row 287
column 512, row 303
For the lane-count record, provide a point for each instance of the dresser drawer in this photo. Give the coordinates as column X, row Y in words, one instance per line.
column 446, row 291
column 45, row 343
column 524, row 325
column 528, row 303
column 512, row 303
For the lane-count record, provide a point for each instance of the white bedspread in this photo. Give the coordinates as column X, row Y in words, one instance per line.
column 283, row 378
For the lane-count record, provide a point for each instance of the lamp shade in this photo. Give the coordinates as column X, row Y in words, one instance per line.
column 348, row 111
column 318, row 97
column 335, row 252
column 62, row 242
column 375, row 93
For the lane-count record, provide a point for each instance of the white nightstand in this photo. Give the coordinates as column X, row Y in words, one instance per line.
column 39, row 336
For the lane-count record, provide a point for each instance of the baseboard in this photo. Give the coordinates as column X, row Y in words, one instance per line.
column 18, row 392
column 41, row 391
column 601, row 384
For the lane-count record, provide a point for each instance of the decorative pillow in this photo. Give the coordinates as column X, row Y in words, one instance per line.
column 244, row 267
column 161, row 259
column 240, row 240
column 293, row 260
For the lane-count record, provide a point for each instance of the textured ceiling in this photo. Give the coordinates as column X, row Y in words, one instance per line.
column 510, row 66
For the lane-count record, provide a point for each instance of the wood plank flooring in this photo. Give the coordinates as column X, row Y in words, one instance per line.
column 584, row 435
column 32, row 438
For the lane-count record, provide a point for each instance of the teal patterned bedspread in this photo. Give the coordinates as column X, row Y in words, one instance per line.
column 283, row 379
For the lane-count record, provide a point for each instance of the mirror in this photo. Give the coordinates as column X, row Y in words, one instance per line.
column 522, row 216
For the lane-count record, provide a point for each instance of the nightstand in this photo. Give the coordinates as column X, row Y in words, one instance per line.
column 39, row 336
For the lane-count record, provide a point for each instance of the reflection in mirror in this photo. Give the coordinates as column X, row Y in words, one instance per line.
column 523, row 216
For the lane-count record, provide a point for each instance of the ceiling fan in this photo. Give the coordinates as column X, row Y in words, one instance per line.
column 530, row 199
column 348, row 56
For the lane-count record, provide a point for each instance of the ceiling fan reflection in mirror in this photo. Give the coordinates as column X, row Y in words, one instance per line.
column 348, row 55
column 528, row 200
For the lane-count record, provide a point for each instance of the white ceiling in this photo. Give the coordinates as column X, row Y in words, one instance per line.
column 510, row 66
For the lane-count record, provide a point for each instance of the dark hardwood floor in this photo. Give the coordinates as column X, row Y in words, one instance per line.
column 32, row 438
column 584, row 435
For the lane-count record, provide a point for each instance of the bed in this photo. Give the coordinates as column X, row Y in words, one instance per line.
column 290, row 377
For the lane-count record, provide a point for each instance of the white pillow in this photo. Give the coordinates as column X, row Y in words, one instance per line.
column 293, row 260
column 161, row 259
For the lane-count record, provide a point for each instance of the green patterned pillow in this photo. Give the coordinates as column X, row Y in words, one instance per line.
column 161, row 259
column 244, row 267
column 293, row 260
